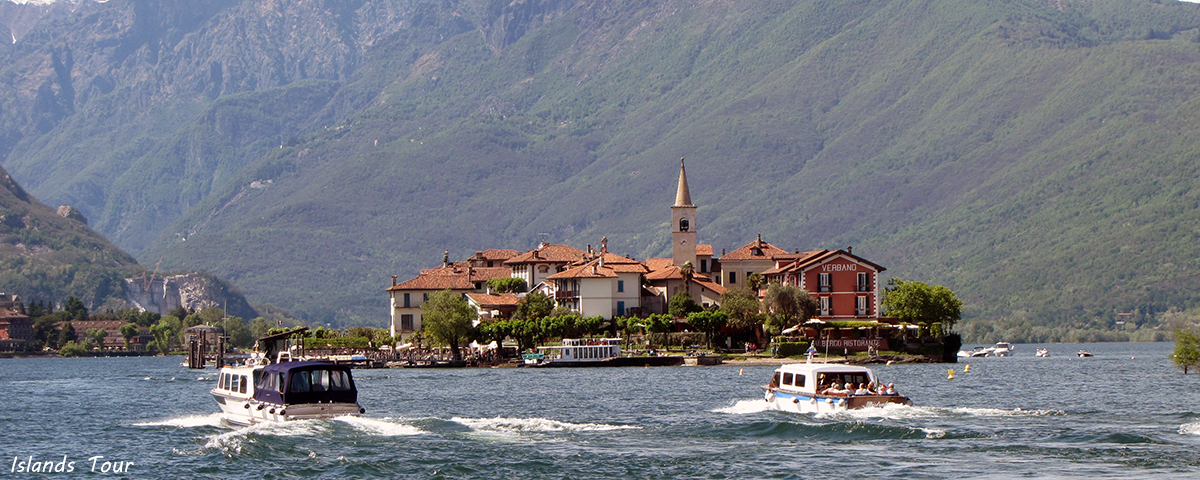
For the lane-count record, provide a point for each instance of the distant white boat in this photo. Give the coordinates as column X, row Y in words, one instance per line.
column 1083, row 353
column 1041, row 352
column 1001, row 349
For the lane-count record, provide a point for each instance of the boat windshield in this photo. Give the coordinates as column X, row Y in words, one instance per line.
column 319, row 381
column 826, row 379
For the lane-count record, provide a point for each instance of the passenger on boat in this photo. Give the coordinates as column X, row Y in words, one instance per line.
column 862, row 390
column 891, row 389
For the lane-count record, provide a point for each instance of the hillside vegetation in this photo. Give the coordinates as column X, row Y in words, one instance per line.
column 1037, row 158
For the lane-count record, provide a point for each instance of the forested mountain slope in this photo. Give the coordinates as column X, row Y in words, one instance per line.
column 1038, row 158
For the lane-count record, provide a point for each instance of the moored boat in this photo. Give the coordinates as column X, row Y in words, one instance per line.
column 807, row 388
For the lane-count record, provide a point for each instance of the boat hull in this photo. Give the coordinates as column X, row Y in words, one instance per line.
column 802, row 403
column 243, row 412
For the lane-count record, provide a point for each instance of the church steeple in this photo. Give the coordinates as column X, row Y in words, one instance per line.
column 683, row 223
column 682, row 197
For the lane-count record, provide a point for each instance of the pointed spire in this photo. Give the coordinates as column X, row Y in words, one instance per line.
column 682, row 197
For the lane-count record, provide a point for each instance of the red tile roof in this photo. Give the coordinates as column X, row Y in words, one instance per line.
column 548, row 254
column 702, row 250
column 756, row 250
column 494, row 299
column 658, row 263
column 454, row 277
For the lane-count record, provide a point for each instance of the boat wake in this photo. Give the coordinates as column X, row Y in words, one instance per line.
column 743, row 407
column 190, row 421
column 901, row 412
column 1190, row 428
column 382, row 427
column 534, row 425
column 234, row 441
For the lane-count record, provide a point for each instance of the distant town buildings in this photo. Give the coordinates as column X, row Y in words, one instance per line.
column 598, row 282
column 15, row 327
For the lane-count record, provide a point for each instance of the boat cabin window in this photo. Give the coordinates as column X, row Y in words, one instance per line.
column 787, row 379
column 320, row 381
column 242, row 384
column 799, row 380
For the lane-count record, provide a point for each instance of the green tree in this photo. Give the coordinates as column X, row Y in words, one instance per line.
column 507, row 285
column 45, row 330
column 534, row 305
column 755, row 281
column 75, row 310
column 238, row 334
column 447, row 317
column 67, row 334
column 918, row 303
column 97, row 335
column 259, row 327
column 787, row 305
column 72, row 349
column 708, row 322
column 129, row 330
column 1187, row 349
column 682, row 304
column 165, row 332
column 742, row 306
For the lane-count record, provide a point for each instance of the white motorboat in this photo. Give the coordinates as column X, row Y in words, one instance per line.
column 1001, row 349
column 1041, row 352
column 975, row 352
column 261, row 391
column 805, row 388
column 1083, row 353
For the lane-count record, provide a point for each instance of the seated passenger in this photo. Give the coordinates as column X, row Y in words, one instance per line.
column 891, row 389
column 862, row 390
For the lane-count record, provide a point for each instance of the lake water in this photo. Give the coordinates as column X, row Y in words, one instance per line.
column 1125, row 413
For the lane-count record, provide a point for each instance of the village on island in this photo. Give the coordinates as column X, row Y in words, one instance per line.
column 843, row 290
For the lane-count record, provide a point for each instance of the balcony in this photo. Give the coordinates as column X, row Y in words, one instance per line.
column 863, row 288
column 564, row 294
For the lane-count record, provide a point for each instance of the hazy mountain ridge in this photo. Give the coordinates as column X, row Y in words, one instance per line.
column 982, row 145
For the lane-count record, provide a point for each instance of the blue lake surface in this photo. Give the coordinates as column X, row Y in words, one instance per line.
column 1125, row 413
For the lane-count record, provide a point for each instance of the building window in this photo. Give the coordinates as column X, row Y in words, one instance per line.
column 860, row 305
column 862, row 282
column 825, row 307
column 824, row 282
column 732, row 278
column 703, row 266
column 406, row 322
column 620, row 285
column 407, row 301
column 424, row 297
column 543, row 269
column 620, row 309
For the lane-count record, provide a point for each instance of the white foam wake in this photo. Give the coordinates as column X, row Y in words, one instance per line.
column 525, row 425
column 743, row 407
column 380, row 427
column 234, row 441
column 1190, row 428
column 190, row 421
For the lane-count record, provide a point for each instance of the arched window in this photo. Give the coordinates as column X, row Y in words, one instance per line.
column 683, row 225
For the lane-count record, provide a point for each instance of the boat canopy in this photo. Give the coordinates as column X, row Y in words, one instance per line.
column 291, row 383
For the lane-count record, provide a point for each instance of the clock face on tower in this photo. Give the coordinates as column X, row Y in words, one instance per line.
column 683, row 225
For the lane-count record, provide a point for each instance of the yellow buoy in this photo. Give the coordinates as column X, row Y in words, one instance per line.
column 950, row 374
column 740, row 371
column 967, row 369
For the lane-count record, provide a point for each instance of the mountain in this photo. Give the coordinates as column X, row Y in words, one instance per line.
column 1036, row 157
column 50, row 254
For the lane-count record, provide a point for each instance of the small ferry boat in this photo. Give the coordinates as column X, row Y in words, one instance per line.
column 577, row 352
column 264, row 391
column 804, row 388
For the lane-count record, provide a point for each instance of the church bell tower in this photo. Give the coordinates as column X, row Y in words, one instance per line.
column 683, row 224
